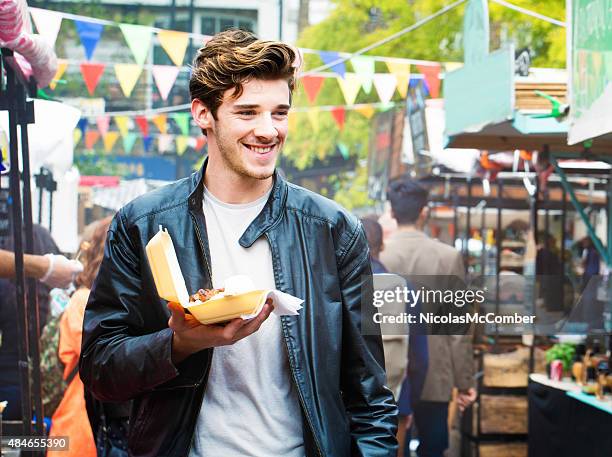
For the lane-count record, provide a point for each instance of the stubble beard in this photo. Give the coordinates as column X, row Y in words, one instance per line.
column 231, row 154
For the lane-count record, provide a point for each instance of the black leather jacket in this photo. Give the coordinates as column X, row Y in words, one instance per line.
column 319, row 254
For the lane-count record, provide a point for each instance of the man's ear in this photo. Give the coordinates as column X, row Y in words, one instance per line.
column 201, row 114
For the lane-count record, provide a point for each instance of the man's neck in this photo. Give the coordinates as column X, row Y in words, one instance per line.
column 230, row 187
column 408, row 228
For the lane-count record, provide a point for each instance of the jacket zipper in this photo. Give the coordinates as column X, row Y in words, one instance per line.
column 292, row 369
column 209, row 363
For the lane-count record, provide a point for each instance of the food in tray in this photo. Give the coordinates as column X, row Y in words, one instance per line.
column 204, row 294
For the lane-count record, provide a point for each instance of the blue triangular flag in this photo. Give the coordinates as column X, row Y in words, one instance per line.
column 414, row 82
column 90, row 33
column 329, row 57
column 344, row 151
column 147, row 141
column 82, row 125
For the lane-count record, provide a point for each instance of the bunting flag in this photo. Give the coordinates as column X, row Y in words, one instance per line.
column 313, row 117
column 344, row 150
column 452, row 66
column 128, row 142
column 364, row 66
column 401, row 70
column 91, row 138
column 312, row 86
column 366, row 111
column 386, row 106
column 77, row 134
column 182, row 142
column 127, row 75
column 200, row 142
column 147, row 142
column 138, row 38
column 164, row 142
column 182, row 121
column 89, row 33
column 161, row 122
column 385, row 84
column 123, row 124
column 339, row 115
column 61, row 69
column 329, row 57
column 432, row 78
column 82, row 125
column 92, row 72
column 164, row 77
column 143, row 125
column 47, row 23
column 292, row 121
column 175, row 44
column 109, row 141
column 103, row 122
column 350, row 85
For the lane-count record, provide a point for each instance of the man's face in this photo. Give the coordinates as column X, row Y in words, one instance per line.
column 250, row 130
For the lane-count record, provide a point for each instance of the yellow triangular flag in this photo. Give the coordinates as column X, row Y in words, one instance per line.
column 401, row 70
column 182, row 142
column 109, row 141
column 77, row 134
column 123, row 124
column 161, row 122
column 175, row 44
column 350, row 85
column 293, row 121
column 127, row 74
column 366, row 110
column 313, row 117
column 61, row 68
column 452, row 66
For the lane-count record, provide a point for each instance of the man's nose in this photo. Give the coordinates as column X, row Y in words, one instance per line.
column 265, row 127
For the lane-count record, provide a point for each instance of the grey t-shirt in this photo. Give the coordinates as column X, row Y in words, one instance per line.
column 250, row 406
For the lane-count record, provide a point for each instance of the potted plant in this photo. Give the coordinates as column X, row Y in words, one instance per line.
column 564, row 352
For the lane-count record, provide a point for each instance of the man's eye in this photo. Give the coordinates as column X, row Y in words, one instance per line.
column 246, row 113
column 281, row 113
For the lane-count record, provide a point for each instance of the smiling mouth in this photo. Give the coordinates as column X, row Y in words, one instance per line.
column 259, row 149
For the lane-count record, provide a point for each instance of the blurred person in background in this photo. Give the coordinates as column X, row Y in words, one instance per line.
column 411, row 253
column 71, row 416
column 52, row 270
column 405, row 378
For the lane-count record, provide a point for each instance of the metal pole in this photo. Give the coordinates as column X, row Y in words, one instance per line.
column 26, row 114
column 563, row 222
column 468, row 225
column 280, row 20
column 15, row 192
column 498, row 240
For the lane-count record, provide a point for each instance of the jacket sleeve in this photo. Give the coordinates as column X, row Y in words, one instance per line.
column 370, row 406
column 119, row 362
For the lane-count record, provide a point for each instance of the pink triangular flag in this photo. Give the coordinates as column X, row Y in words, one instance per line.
column 164, row 76
column 103, row 122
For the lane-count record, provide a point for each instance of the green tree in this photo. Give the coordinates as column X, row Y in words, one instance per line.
column 354, row 24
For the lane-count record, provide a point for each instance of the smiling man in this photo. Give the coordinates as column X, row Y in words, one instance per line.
column 307, row 385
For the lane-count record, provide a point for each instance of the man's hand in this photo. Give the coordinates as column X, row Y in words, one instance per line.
column 190, row 336
column 60, row 271
column 465, row 399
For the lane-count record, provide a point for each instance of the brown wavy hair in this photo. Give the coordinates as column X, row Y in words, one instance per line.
column 234, row 57
column 92, row 252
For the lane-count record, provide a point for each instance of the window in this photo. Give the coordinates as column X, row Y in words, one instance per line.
column 217, row 20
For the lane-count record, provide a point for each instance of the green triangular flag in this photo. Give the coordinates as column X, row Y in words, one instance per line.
column 364, row 67
column 138, row 38
column 128, row 142
column 182, row 120
column 343, row 148
column 386, row 106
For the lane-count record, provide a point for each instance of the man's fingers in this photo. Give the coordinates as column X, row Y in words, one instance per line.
column 253, row 325
column 178, row 315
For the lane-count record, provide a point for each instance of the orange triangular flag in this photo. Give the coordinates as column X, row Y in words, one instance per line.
column 432, row 78
column 175, row 44
column 91, row 138
column 92, row 72
column 61, row 68
column 365, row 110
column 161, row 122
column 200, row 142
column 312, row 86
column 339, row 114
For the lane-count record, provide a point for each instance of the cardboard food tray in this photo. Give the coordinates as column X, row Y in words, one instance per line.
column 229, row 307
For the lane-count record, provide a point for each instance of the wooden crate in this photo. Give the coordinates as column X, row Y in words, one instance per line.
column 510, row 369
column 503, row 414
column 503, row 450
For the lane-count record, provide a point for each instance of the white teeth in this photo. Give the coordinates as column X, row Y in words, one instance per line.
column 260, row 150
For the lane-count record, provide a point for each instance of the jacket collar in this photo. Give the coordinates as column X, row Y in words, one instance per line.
column 268, row 217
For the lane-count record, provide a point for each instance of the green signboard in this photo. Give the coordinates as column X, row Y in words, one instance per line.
column 591, row 70
column 482, row 91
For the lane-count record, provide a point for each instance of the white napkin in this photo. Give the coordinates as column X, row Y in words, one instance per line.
column 284, row 304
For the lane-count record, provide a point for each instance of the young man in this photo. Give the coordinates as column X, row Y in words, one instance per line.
column 412, row 254
column 307, row 385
